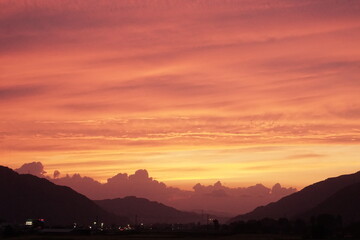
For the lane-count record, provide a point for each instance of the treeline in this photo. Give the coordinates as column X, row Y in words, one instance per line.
column 322, row 226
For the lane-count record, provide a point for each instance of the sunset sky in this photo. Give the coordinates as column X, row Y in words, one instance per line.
column 241, row 91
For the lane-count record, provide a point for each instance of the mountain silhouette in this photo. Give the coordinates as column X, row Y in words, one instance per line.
column 144, row 211
column 25, row 196
column 345, row 203
column 319, row 196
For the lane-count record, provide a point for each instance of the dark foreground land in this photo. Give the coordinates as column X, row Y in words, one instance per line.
column 161, row 236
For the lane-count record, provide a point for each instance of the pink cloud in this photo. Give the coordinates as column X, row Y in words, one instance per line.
column 162, row 76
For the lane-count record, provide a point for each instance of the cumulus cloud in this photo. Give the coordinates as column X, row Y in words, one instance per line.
column 227, row 200
column 277, row 190
column 56, row 174
column 215, row 198
column 121, row 185
column 34, row 168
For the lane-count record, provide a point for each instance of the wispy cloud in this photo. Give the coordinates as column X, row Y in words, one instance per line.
column 138, row 77
column 20, row 92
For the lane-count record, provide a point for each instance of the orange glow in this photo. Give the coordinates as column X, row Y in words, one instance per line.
column 198, row 91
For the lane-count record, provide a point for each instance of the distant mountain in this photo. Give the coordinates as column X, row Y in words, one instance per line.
column 345, row 202
column 28, row 197
column 297, row 204
column 214, row 199
column 145, row 211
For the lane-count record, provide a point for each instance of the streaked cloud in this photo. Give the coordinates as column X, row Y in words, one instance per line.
column 190, row 83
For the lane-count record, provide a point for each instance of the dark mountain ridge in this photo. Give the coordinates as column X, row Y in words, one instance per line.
column 144, row 211
column 345, row 203
column 25, row 196
column 297, row 204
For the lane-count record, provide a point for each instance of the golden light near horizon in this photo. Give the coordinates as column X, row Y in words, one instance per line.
column 240, row 91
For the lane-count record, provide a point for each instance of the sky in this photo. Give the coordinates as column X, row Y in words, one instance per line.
column 194, row 91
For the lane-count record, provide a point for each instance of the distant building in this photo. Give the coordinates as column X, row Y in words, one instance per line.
column 35, row 223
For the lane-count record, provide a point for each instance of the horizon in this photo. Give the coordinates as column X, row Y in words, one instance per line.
column 325, row 200
column 241, row 92
column 34, row 169
column 215, row 198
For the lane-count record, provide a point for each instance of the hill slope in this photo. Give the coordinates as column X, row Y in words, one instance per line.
column 147, row 211
column 26, row 196
column 345, row 202
column 300, row 202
